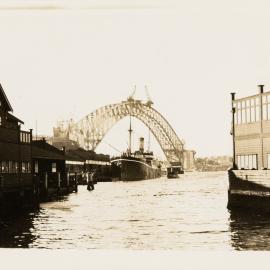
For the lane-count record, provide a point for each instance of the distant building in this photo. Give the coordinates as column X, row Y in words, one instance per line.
column 61, row 135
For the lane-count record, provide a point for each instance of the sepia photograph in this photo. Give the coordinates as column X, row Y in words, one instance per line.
column 134, row 134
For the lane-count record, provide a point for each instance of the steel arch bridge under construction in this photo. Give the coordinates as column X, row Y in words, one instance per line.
column 90, row 131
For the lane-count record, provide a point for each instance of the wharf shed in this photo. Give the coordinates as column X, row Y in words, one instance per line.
column 251, row 135
column 15, row 154
column 249, row 179
column 87, row 161
column 49, row 169
column 47, row 158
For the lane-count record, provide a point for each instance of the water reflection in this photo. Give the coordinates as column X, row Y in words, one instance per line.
column 249, row 230
column 188, row 213
column 16, row 230
column 22, row 229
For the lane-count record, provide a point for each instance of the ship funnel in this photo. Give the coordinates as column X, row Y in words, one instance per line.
column 141, row 145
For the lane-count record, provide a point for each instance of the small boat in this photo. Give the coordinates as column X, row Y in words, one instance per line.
column 174, row 171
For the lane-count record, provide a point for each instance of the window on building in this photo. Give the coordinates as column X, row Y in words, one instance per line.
column 25, row 137
column 248, row 111
column 248, row 114
column 16, row 164
column 36, row 166
column 264, row 108
column 268, row 161
column 53, row 167
column 252, row 110
column 5, row 166
column 257, row 113
column 10, row 167
column 239, row 116
column 27, row 167
column 0, row 121
column 247, row 161
column 23, row 167
column 243, row 112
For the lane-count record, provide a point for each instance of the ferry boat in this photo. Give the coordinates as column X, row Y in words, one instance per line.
column 139, row 165
column 249, row 177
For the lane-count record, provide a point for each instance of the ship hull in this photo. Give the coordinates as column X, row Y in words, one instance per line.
column 249, row 189
column 134, row 170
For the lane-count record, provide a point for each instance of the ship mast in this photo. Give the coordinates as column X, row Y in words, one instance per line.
column 130, row 99
column 130, row 132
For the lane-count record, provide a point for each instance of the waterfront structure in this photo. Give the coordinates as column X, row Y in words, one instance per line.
column 90, row 131
column 84, row 162
column 46, row 158
column 16, row 179
column 249, row 179
column 48, row 165
column 29, row 170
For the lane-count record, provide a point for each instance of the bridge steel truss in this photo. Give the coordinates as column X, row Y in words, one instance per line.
column 90, row 131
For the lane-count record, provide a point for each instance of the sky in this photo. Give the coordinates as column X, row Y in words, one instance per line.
column 65, row 59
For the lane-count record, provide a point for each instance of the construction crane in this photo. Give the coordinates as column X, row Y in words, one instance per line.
column 149, row 101
column 131, row 97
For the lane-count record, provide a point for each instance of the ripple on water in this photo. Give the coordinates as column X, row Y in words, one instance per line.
column 188, row 213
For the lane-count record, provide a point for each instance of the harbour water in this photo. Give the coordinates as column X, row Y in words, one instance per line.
column 188, row 213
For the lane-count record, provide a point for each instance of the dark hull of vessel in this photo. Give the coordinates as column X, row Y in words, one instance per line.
column 249, row 189
column 134, row 170
column 174, row 175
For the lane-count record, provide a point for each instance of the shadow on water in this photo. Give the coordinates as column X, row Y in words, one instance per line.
column 16, row 230
column 249, row 230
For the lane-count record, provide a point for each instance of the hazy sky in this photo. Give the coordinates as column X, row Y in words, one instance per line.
column 63, row 59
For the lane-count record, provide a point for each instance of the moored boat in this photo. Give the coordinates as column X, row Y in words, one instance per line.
column 174, row 171
column 132, row 168
column 139, row 165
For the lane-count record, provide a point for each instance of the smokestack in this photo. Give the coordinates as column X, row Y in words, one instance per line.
column 261, row 88
column 141, row 145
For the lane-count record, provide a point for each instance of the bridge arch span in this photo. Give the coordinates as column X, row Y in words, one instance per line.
column 91, row 129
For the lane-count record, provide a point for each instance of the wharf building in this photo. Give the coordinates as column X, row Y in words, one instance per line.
column 249, row 179
column 15, row 153
column 252, row 131
column 28, row 168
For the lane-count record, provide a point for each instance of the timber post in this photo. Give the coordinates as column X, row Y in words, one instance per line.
column 233, row 130
column 46, row 184
column 68, row 181
column 2, row 185
column 58, row 182
column 76, row 183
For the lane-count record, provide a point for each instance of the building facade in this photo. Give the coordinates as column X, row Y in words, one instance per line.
column 15, row 148
column 251, row 131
